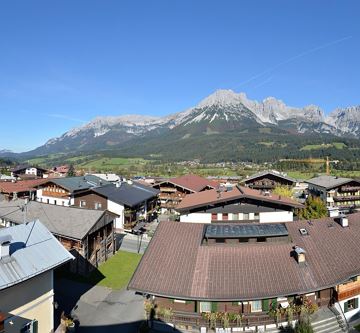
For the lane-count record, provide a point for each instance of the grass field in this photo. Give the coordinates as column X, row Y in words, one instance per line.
column 119, row 269
column 115, row 273
column 111, row 163
column 337, row 145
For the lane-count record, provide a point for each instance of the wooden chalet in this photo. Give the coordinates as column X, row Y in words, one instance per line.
column 87, row 234
column 193, row 273
column 268, row 180
column 172, row 191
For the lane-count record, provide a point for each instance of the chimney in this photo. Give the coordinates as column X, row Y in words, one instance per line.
column 300, row 254
column 5, row 246
column 344, row 222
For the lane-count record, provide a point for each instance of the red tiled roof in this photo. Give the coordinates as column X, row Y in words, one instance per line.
column 249, row 270
column 21, row 185
column 193, row 182
column 212, row 196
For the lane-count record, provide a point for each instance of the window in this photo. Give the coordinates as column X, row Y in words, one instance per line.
column 82, row 203
column 220, row 240
column 97, row 205
column 256, row 216
column 256, row 306
column 214, row 216
column 205, row 306
column 235, row 216
column 351, row 304
column 245, row 216
column 225, row 216
column 54, row 202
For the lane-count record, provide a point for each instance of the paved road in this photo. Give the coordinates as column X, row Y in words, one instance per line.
column 99, row 309
column 132, row 243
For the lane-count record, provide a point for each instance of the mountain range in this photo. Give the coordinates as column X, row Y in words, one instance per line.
column 205, row 130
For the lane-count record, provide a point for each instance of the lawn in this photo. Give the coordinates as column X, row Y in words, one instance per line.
column 337, row 145
column 115, row 273
column 119, row 269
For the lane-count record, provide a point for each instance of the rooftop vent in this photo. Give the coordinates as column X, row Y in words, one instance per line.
column 5, row 246
column 344, row 222
column 300, row 254
column 303, row 232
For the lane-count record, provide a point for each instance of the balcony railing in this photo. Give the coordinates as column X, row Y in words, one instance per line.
column 346, row 198
column 55, row 194
column 349, row 188
column 248, row 320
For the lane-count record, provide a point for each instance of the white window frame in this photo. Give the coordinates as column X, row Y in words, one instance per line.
column 256, row 306
column 207, row 306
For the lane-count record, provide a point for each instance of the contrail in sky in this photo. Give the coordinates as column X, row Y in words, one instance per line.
column 291, row 59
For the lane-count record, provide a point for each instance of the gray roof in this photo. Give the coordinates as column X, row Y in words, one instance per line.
column 33, row 250
column 329, row 182
column 73, row 184
column 127, row 194
column 271, row 172
column 66, row 221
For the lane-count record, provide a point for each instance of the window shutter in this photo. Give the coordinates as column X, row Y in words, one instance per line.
column 356, row 303
column 265, row 305
column 213, row 306
column 35, row 326
column 346, row 307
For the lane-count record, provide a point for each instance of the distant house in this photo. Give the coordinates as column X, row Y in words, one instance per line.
column 236, row 204
column 28, row 171
column 62, row 191
column 6, row 178
column 29, row 253
column 20, row 188
column 87, row 234
column 268, row 180
column 172, row 191
column 339, row 194
column 110, row 177
column 58, row 171
column 130, row 201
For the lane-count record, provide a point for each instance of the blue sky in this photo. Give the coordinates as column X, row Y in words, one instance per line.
column 62, row 63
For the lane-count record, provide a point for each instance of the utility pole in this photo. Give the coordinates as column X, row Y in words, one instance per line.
column 327, row 166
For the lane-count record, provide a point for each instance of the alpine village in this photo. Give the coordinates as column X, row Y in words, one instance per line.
column 150, row 182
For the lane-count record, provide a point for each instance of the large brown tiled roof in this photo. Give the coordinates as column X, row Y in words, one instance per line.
column 21, row 185
column 197, row 200
column 177, row 265
column 193, row 182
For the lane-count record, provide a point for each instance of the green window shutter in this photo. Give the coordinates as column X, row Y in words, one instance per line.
column 346, row 307
column 35, row 326
column 214, row 306
column 356, row 303
column 265, row 304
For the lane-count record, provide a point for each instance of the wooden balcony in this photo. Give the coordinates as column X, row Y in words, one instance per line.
column 168, row 189
column 346, row 198
column 349, row 188
column 55, row 194
column 348, row 290
column 194, row 319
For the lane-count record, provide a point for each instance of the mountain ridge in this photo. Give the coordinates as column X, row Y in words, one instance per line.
column 222, row 112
